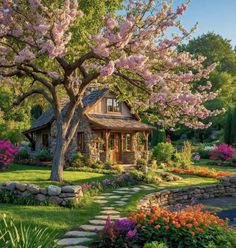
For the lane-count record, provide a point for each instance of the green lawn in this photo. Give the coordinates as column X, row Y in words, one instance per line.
column 54, row 218
column 203, row 163
column 40, row 175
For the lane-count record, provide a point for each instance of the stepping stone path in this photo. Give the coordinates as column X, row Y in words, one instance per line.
column 109, row 202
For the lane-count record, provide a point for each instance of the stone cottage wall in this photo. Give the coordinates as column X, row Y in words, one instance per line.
column 89, row 140
column 171, row 197
column 62, row 196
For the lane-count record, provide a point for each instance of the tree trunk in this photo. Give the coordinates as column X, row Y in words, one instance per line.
column 58, row 157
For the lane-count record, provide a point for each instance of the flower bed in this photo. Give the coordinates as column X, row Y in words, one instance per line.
column 201, row 171
column 189, row 227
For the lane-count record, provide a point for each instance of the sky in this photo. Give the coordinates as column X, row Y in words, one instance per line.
column 218, row 16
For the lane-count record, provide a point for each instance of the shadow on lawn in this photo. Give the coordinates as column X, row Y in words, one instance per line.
column 40, row 175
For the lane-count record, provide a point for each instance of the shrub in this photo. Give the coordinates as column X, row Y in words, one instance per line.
column 189, row 227
column 78, row 160
column 186, row 155
column 22, row 154
column 108, row 165
column 141, row 164
column 97, row 165
column 223, row 152
column 44, row 155
column 205, row 151
column 7, row 152
column 24, row 236
column 155, row 244
column 164, row 152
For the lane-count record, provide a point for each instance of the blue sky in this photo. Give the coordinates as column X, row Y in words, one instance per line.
column 212, row 15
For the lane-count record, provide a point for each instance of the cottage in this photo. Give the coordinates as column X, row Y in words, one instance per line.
column 108, row 131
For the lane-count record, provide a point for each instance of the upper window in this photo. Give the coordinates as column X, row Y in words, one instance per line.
column 113, row 105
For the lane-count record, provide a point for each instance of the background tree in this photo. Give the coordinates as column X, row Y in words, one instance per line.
column 218, row 50
column 38, row 49
column 230, row 127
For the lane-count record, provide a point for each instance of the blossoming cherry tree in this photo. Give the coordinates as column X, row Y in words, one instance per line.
column 130, row 51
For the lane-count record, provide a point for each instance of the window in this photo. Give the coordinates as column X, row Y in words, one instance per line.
column 45, row 140
column 113, row 105
column 111, row 142
column 127, row 142
column 80, row 141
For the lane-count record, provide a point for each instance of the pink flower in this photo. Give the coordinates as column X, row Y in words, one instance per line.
column 107, row 70
column 24, row 55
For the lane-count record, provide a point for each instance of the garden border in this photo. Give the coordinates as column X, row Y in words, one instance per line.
column 188, row 195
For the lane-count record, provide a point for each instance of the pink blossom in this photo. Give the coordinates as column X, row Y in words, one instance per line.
column 107, row 70
column 24, row 55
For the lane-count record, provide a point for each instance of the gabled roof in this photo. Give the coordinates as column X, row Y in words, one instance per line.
column 47, row 117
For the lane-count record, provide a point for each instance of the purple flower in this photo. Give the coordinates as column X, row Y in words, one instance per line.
column 132, row 233
column 106, row 182
column 86, row 186
column 124, row 225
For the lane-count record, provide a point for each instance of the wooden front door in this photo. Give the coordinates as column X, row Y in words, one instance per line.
column 115, row 147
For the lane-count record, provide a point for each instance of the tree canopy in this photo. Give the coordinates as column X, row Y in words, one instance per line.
column 39, row 47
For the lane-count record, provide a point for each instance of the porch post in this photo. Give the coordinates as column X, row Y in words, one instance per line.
column 106, row 135
column 146, row 134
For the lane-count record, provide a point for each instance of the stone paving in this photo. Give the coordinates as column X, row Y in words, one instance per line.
column 109, row 203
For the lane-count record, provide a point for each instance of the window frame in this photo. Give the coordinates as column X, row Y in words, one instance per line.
column 127, row 142
column 113, row 106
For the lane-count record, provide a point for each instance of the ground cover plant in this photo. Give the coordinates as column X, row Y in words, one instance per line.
column 201, row 171
column 24, row 236
column 189, row 227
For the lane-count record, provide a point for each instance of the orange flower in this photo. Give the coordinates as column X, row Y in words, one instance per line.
column 193, row 233
column 157, row 226
column 167, row 227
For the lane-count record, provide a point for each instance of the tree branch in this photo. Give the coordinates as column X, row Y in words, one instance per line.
column 25, row 95
column 133, row 81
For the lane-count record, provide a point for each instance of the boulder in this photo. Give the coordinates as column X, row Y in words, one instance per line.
column 40, row 197
column 44, row 191
column 55, row 200
column 53, row 190
column 71, row 189
column 34, row 189
column 21, row 186
column 11, row 185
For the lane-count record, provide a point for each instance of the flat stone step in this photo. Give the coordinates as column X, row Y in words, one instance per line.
column 77, row 246
column 97, row 222
column 104, row 217
column 108, row 208
column 120, row 192
column 72, row 241
column 146, row 187
column 114, row 197
column 101, row 201
column 91, row 227
column 80, row 234
column 106, row 194
column 120, row 202
column 108, row 212
column 123, row 188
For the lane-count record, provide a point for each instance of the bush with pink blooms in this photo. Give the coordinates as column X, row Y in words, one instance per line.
column 7, row 153
column 222, row 152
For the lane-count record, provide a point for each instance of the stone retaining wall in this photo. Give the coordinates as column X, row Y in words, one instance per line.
column 62, row 196
column 171, row 197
